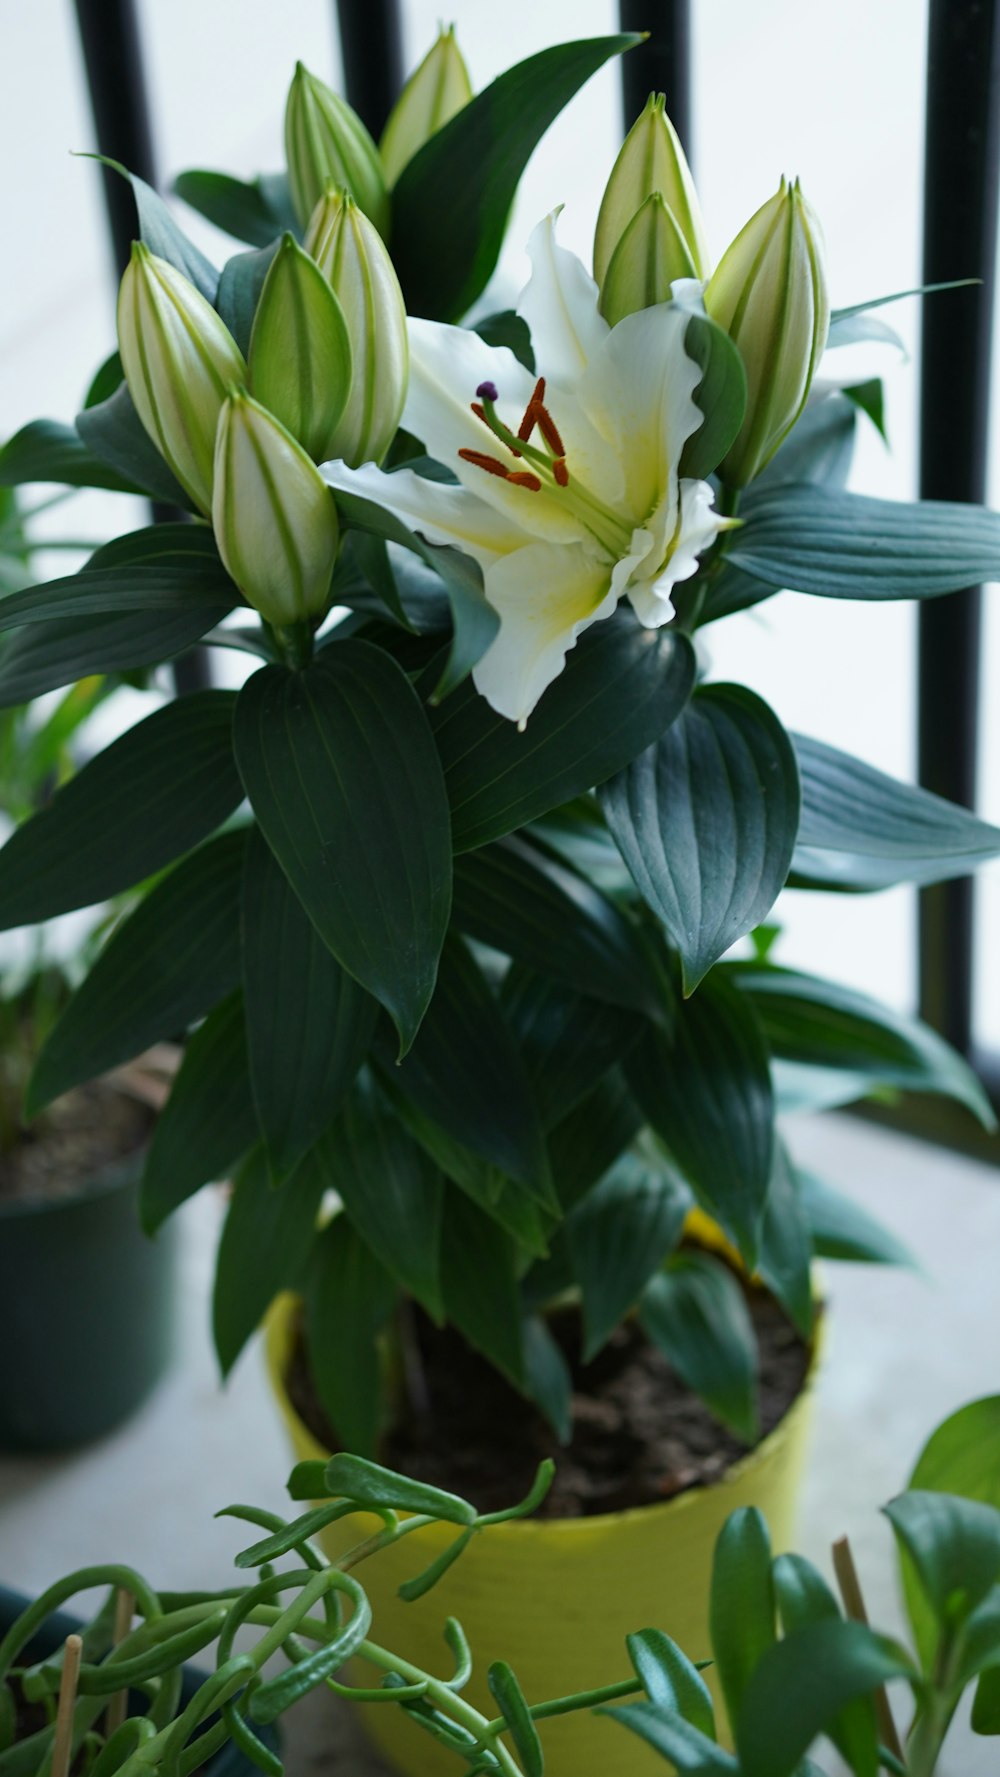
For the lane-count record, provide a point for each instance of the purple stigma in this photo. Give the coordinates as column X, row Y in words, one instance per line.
column 488, row 392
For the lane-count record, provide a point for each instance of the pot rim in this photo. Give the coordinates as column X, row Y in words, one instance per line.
column 277, row 1345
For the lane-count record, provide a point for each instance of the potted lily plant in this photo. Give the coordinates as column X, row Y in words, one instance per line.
column 446, row 893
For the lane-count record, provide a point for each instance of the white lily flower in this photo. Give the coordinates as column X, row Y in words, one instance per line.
column 568, row 490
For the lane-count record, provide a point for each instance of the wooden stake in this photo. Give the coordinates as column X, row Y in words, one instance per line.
column 854, row 1605
column 63, row 1745
column 118, row 1706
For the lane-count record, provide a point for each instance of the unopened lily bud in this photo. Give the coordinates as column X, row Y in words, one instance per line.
column 350, row 252
column 769, row 293
column 273, row 515
column 178, row 358
column 651, row 159
column 300, row 350
column 433, row 94
column 650, row 255
column 326, row 146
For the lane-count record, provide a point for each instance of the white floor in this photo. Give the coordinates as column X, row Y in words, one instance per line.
column 903, row 1350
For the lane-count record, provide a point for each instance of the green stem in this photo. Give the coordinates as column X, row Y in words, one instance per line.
column 626, row 1687
column 447, row 1701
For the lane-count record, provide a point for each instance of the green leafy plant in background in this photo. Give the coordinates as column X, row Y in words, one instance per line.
column 791, row 1665
column 463, row 961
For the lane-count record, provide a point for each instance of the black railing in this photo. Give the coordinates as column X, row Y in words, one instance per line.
column 960, row 234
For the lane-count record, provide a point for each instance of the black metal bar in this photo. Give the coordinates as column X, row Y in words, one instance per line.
column 371, row 47
column 109, row 34
column 960, row 235
column 660, row 65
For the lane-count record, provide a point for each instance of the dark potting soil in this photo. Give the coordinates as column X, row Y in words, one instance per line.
column 67, row 1148
column 639, row 1435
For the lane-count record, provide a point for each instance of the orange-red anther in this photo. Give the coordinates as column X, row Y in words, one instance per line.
column 549, row 430
column 480, row 412
column 561, row 472
column 527, row 425
column 524, row 478
column 492, row 465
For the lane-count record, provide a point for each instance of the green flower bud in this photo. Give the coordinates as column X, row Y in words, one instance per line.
column 300, row 350
column 327, row 145
column 350, row 252
column 651, row 159
column 769, row 293
column 433, row 94
column 178, row 358
column 273, row 515
column 650, row 255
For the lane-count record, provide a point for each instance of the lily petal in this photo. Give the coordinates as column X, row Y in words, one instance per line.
column 440, row 511
column 698, row 528
column 639, row 392
column 559, row 304
column 546, row 596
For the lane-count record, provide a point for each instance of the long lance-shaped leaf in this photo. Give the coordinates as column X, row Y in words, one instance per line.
column 841, row 545
column 161, row 969
column 621, row 688
column 48, row 450
column 266, row 1239
column 860, row 829
column 309, row 1024
column 113, row 433
column 99, row 836
column 342, row 774
column 208, row 1122
column 448, row 228
column 706, row 821
column 177, row 571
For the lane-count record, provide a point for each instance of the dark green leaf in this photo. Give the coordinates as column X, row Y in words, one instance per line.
column 309, row 1025
column 113, row 433
column 447, row 228
column 266, row 1239
column 239, row 207
column 819, row 448
column 568, row 1040
column 869, row 830
column 514, row 1710
column 804, row 1597
column 156, row 792
column 963, row 1454
column 464, row 1071
column 800, row 1687
column 706, row 1090
column 162, row 968
column 786, row 1250
column 741, row 1607
column 43, row 656
column 108, row 377
column 47, row 450
column 695, row 1312
column 986, row 1703
column 619, row 1236
column 954, row 1545
column 547, row 1377
column 162, row 235
column 508, row 328
column 721, row 395
column 240, row 286
column 479, row 1280
column 870, row 398
column 389, row 1189
column 164, row 569
column 706, row 821
column 339, row 765
column 524, row 901
column 208, row 1121
column 348, row 1300
column 811, row 1020
column 474, row 621
column 621, row 688
column 586, row 1143
column 842, row 1229
column 841, row 545
column 353, row 1477
column 675, row 1739
column 670, row 1679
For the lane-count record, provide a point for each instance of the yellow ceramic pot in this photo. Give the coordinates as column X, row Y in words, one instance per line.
column 556, row 1599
